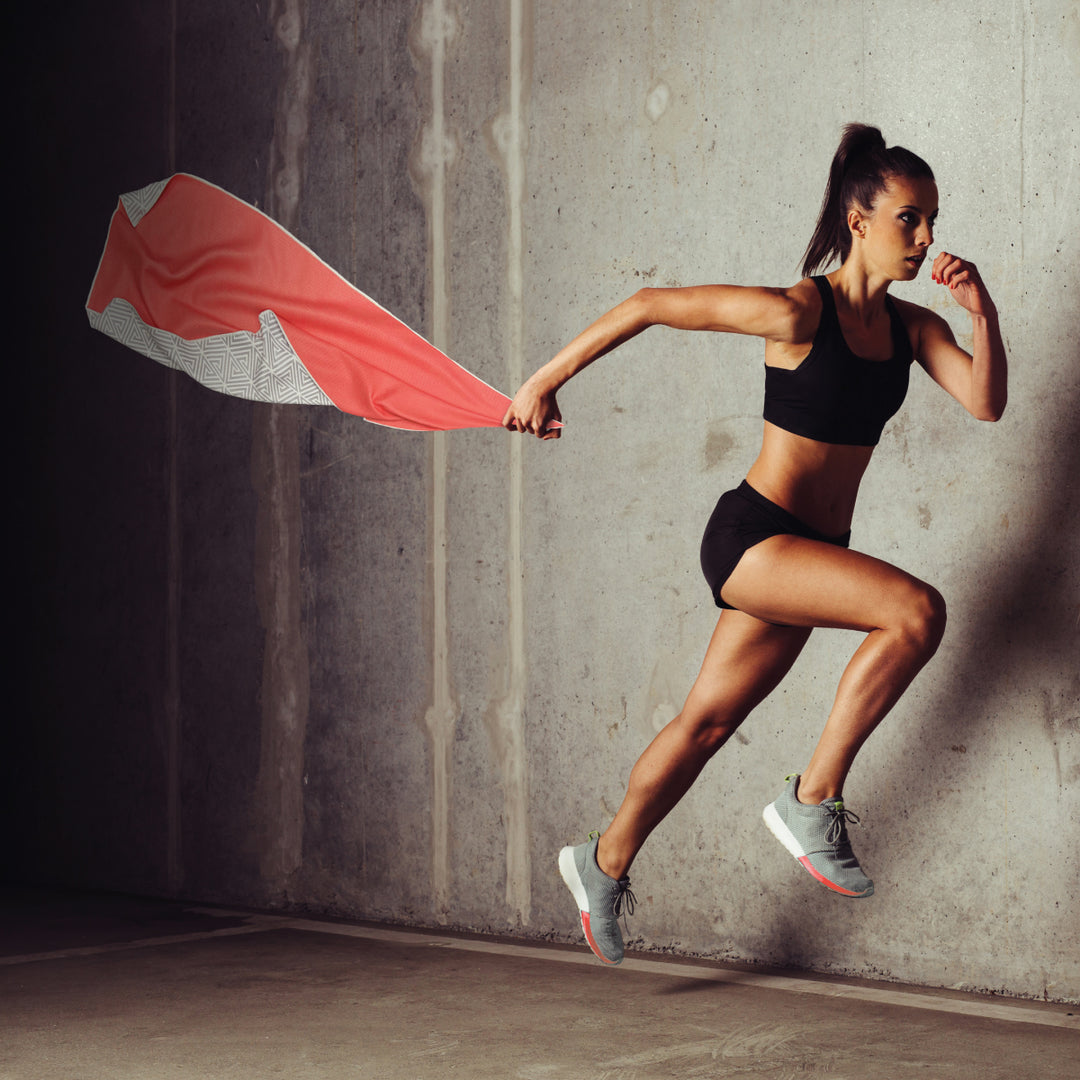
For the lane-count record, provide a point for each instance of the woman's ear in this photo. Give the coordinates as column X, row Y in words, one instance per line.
column 856, row 221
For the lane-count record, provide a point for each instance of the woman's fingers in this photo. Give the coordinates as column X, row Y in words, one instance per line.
column 531, row 414
column 516, row 420
column 945, row 265
column 951, row 270
column 539, row 427
column 963, row 281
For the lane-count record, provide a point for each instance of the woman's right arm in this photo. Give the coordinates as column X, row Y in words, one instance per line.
column 769, row 313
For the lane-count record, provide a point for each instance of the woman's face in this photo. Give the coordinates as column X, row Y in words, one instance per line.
column 896, row 235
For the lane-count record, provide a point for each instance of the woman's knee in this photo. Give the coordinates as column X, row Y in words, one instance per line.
column 923, row 618
column 707, row 724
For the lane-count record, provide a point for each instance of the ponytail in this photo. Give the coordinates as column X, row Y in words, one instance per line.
column 860, row 170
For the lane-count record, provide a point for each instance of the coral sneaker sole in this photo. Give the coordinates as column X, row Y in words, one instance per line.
column 599, row 916
column 828, row 860
column 568, row 870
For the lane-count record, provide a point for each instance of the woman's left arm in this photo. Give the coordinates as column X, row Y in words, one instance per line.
column 979, row 381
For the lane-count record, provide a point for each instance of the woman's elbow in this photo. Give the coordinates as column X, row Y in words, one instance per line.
column 646, row 307
column 644, row 301
column 991, row 411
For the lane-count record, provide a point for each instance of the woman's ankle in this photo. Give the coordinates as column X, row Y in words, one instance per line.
column 609, row 860
column 812, row 793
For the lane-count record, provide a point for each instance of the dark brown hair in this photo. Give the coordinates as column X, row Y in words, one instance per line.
column 861, row 169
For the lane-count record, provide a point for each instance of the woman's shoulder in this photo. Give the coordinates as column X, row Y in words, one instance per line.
column 796, row 328
column 804, row 303
column 918, row 320
column 796, row 312
column 913, row 314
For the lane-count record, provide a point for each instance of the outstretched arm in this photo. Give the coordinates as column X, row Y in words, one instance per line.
column 768, row 313
column 979, row 381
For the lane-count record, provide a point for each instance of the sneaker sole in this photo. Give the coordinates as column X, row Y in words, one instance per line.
column 569, row 871
column 786, row 837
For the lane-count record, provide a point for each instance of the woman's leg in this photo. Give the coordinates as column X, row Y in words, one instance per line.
column 783, row 587
column 805, row 583
column 745, row 661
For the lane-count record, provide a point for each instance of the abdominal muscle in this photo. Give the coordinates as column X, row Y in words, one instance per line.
column 817, row 482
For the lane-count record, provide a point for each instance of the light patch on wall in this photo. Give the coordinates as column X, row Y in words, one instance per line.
column 656, row 102
column 664, row 690
column 432, row 33
column 508, row 134
column 671, row 125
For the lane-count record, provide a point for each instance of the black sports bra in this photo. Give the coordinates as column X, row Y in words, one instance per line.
column 834, row 396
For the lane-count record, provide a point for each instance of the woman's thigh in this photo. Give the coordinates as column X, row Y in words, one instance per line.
column 793, row 581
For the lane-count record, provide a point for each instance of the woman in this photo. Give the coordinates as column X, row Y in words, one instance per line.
column 837, row 353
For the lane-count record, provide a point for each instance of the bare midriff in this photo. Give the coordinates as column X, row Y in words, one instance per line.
column 817, row 482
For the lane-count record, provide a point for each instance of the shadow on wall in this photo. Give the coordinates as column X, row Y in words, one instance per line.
column 1025, row 649
column 1029, row 622
column 1029, row 625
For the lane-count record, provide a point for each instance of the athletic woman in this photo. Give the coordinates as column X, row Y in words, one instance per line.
column 838, row 350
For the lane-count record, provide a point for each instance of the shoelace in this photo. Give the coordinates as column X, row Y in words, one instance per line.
column 836, row 833
column 624, row 899
column 625, row 895
column 624, row 903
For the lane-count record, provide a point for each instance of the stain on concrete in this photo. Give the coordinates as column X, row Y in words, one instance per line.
column 719, row 443
column 1061, row 722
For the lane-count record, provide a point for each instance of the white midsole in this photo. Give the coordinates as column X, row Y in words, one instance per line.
column 568, row 869
column 781, row 831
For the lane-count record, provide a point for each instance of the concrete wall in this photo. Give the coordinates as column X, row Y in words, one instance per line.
column 286, row 658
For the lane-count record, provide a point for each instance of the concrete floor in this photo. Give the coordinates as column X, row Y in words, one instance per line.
column 103, row 986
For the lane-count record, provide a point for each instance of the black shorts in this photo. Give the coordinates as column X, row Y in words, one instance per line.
column 742, row 518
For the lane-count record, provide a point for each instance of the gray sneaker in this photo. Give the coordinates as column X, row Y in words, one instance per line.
column 600, row 899
column 817, row 837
